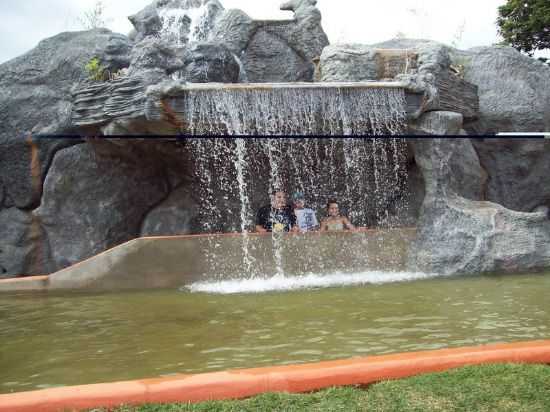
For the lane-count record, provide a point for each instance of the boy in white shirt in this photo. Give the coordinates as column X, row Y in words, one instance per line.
column 305, row 217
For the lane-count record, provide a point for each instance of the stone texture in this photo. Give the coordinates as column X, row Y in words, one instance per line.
column 35, row 96
column 509, row 85
column 449, row 166
column 263, row 45
column 176, row 215
column 146, row 23
column 234, row 28
column 513, row 89
column 14, row 245
column 209, row 62
column 97, row 103
column 518, row 171
column 439, row 123
column 356, row 62
column 155, row 55
column 307, row 36
column 458, row 235
column 264, row 54
column 425, row 70
column 23, row 248
column 96, row 196
column 176, row 21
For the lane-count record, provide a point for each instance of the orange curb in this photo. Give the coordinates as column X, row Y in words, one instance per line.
column 249, row 382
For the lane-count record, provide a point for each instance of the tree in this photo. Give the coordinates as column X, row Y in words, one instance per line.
column 95, row 17
column 525, row 24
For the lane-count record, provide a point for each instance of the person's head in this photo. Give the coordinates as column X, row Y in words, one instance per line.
column 332, row 208
column 298, row 200
column 278, row 199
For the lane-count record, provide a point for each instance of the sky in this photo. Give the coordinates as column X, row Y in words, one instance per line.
column 465, row 23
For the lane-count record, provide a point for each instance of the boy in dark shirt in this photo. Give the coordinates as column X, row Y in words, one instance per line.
column 277, row 216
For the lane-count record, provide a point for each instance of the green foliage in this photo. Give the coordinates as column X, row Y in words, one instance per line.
column 95, row 70
column 525, row 24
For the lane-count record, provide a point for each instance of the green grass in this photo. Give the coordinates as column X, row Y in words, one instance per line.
column 513, row 388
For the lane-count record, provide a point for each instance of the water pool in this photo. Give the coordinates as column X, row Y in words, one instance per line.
column 49, row 339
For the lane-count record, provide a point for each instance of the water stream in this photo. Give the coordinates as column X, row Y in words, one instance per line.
column 183, row 25
column 368, row 177
column 293, row 111
column 50, row 340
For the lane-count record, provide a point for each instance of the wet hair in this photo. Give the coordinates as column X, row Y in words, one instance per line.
column 331, row 201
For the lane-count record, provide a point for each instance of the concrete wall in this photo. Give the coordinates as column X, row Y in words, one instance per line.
column 164, row 262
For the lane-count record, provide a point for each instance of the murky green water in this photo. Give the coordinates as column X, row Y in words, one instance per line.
column 49, row 340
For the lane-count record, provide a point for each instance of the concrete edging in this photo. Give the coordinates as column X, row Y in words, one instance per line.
column 235, row 384
column 155, row 262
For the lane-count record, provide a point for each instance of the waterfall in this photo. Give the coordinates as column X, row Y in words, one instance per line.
column 184, row 25
column 240, row 165
column 236, row 177
column 289, row 111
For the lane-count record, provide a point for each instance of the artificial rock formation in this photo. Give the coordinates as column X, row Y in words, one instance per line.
column 508, row 84
column 425, row 69
column 173, row 26
column 263, row 45
column 517, row 171
column 456, row 235
column 22, row 246
column 62, row 201
column 177, row 215
column 95, row 196
column 35, row 97
column 513, row 89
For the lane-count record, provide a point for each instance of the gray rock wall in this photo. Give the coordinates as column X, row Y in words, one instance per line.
column 22, row 249
column 95, row 197
column 459, row 236
column 35, row 96
column 512, row 95
column 517, row 170
column 260, row 46
column 456, row 235
column 449, row 166
column 425, row 69
column 264, row 45
column 177, row 215
column 64, row 200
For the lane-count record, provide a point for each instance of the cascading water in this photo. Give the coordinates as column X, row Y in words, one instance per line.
column 184, row 24
column 274, row 154
column 240, row 164
column 286, row 111
column 367, row 176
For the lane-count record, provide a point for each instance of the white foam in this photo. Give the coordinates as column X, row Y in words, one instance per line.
column 286, row 283
column 171, row 19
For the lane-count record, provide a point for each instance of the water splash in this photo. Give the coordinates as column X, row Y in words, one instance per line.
column 367, row 176
column 236, row 177
column 240, row 167
column 274, row 154
column 181, row 26
column 288, row 283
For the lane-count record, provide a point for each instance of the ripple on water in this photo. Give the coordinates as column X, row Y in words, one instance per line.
column 94, row 338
